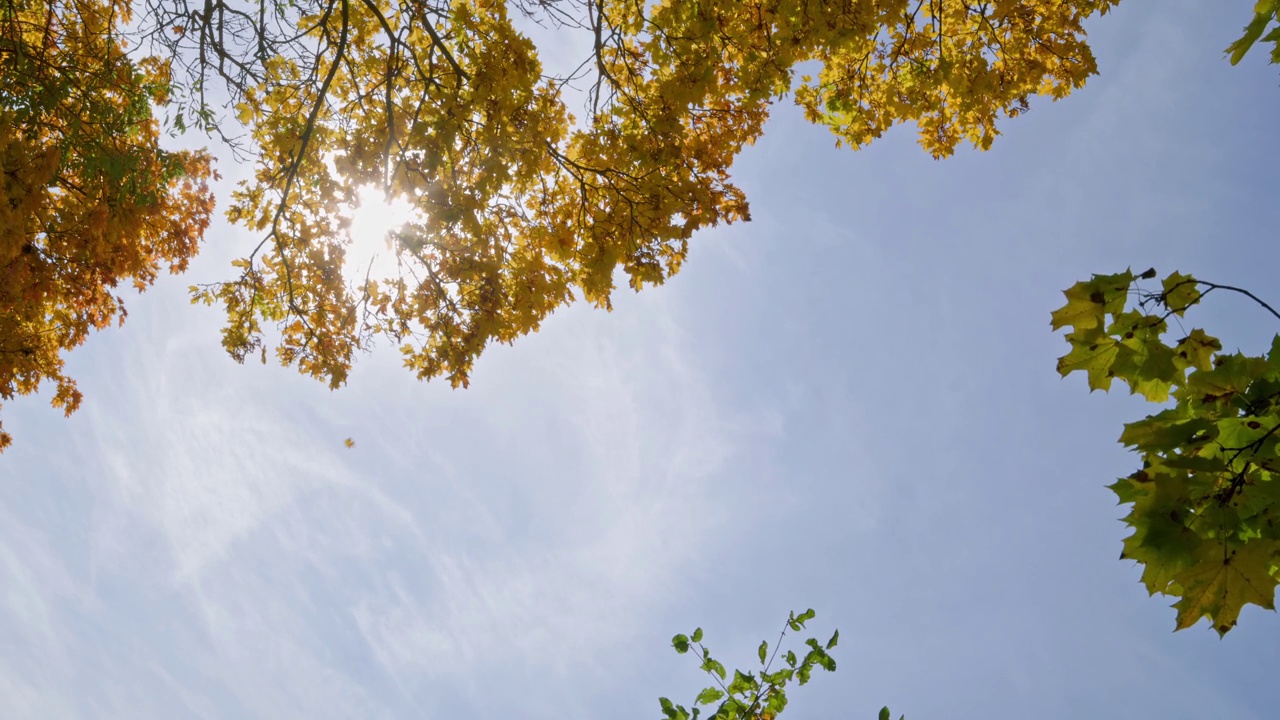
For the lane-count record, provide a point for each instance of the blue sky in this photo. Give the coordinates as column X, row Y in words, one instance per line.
column 848, row 404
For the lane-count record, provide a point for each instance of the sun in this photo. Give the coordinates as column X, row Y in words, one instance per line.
column 371, row 252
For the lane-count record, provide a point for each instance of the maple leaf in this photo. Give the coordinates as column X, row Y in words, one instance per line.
column 1223, row 580
column 1089, row 301
column 1094, row 352
column 1180, row 293
column 1196, row 350
column 1161, row 541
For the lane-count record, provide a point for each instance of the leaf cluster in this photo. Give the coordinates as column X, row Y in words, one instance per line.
column 756, row 695
column 1205, row 506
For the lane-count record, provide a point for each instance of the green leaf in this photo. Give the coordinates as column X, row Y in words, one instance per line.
column 884, row 713
column 742, row 683
column 1141, row 359
column 1196, row 350
column 835, row 637
column 697, row 635
column 1093, row 352
column 680, row 643
column 796, row 622
column 1180, row 292
column 1224, row 580
column 1264, row 12
column 1218, row 387
column 1125, row 489
column 762, row 651
column 1167, row 431
column 1163, row 546
column 777, row 702
column 1239, row 433
column 1084, row 309
column 779, row 678
column 709, row 695
column 1089, row 301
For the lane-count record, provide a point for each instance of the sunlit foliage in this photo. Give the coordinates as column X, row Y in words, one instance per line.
column 521, row 206
column 90, row 201
column 1205, row 505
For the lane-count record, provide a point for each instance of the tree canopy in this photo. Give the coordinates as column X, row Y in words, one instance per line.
column 1205, row 505
column 520, row 204
column 92, row 199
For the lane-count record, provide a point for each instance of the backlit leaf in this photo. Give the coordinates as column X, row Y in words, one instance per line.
column 1225, row 579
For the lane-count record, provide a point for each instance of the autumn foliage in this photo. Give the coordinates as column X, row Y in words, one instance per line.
column 91, row 201
column 521, row 205
column 531, row 189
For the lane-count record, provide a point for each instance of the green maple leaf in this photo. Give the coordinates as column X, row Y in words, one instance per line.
column 1223, row 580
column 1126, row 489
column 1235, row 434
column 1197, row 464
column 1142, row 360
column 1166, row 431
column 1084, row 308
column 1093, row 352
column 1180, row 292
column 1196, row 350
column 1258, row 503
column 1162, row 550
column 1148, row 369
column 1229, row 379
column 1161, row 540
column 1088, row 301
